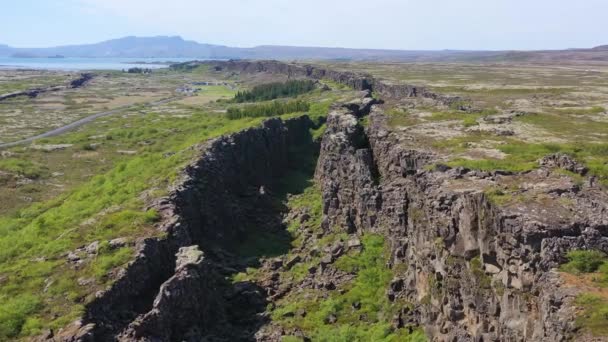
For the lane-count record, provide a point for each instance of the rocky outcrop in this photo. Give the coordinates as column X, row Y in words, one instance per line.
column 187, row 305
column 82, row 80
column 563, row 161
column 34, row 92
column 353, row 80
column 477, row 270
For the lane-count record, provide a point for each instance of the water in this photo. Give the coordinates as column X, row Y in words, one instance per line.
column 72, row 63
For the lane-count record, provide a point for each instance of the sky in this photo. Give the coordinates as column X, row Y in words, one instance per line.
column 385, row 24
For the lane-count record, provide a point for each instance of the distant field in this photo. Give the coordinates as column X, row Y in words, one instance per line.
column 22, row 117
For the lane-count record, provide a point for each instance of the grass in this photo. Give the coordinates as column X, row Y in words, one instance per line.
column 593, row 317
column 582, row 111
column 573, row 127
column 467, row 119
column 23, row 167
column 400, row 118
column 370, row 321
column 523, row 156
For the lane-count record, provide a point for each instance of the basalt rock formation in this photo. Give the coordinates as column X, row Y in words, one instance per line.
column 353, row 80
column 478, row 271
column 34, row 92
column 474, row 270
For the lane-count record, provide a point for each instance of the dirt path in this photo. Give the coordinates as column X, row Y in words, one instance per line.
column 83, row 121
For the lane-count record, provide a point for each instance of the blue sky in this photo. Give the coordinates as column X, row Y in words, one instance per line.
column 397, row 24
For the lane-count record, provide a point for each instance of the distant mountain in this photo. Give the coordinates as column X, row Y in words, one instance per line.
column 168, row 47
column 131, row 47
column 5, row 50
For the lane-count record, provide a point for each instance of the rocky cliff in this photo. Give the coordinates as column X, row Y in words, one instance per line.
column 476, row 270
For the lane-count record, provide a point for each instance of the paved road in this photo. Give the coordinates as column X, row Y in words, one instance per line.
column 81, row 122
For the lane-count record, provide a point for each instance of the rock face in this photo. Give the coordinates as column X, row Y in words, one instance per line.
column 477, row 271
column 187, row 304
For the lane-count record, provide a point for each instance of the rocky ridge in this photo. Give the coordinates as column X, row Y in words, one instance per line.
column 474, row 269
column 34, row 92
column 354, row 80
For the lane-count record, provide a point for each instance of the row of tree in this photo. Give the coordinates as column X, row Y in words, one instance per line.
column 271, row 91
column 267, row 109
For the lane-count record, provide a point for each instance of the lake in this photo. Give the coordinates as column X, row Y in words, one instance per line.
column 72, row 63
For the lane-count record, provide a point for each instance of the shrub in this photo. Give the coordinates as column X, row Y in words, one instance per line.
column 584, row 261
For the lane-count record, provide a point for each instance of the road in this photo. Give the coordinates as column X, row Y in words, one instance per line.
column 83, row 121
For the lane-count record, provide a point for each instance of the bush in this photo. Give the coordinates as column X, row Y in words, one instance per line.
column 584, row 261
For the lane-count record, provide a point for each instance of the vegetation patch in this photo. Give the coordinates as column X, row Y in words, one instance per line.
column 273, row 108
column 361, row 310
column 271, row 91
column 23, row 167
column 593, row 317
column 590, row 266
column 587, row 261
column 523, row 156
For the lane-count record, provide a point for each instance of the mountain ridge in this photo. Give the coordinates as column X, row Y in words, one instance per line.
column 176, row 46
